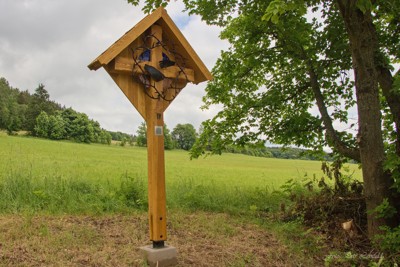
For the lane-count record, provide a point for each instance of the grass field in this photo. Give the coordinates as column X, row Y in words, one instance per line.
column 100, row 163
column 85, row 205
column 108, row 178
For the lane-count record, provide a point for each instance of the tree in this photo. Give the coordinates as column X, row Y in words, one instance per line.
column 56, row 127
column 41, row 94
column 283, row 62
column 69, row 115
column 82, row 129
column 12, row 114
column 168, row 143
column 42, row 125
column 52, row 127
column 184, row 135
column 37, row 113
column 79, row 127
column 105, row 137
column 39, row 102
column 141, row 132
column 4, row 103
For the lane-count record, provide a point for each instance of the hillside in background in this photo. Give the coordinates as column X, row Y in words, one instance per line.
column 42, row 117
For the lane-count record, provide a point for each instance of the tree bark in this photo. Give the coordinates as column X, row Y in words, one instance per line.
column 363, row 45
column 331, row 134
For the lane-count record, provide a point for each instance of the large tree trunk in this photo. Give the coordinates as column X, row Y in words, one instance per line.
column 363, row 44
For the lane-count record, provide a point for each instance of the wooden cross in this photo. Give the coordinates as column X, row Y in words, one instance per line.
column 151, row 94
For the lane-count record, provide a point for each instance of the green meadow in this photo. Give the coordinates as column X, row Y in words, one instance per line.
column 65, row 177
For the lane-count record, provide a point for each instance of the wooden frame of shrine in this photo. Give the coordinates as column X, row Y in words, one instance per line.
column 151, row 64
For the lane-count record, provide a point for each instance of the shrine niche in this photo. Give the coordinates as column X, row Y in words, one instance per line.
column 151, row 64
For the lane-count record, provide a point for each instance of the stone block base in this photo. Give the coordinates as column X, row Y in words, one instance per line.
column 160, row 257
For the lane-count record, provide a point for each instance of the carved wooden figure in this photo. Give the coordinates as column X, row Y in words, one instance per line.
column 151, row 64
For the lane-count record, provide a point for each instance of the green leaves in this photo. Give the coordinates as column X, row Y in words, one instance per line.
column 42, row 125
column 274, row 10
column 277, row 8
column 262, row 81
column 184, row 135
column 384, row 210
column 150, row 5
column 364, row 5
column 396, row 85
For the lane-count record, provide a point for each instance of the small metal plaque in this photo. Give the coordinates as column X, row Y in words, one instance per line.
column 159, row 130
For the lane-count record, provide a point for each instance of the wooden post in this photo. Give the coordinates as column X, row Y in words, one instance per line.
column 155, row 152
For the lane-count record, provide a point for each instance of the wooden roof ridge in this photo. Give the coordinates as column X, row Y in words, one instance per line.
column 160, row 13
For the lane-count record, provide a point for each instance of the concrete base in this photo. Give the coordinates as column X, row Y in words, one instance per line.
column 160, row 257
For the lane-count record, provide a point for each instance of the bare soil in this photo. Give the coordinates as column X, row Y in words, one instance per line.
column 202, row 239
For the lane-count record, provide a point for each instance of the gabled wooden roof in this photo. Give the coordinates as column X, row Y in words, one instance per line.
column 160, row 17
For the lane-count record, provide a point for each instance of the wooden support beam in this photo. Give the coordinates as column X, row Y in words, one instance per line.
column 125, row 65
column 156, row 178
column 155, row 152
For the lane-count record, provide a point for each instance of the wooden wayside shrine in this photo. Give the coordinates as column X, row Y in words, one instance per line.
column 151, row 64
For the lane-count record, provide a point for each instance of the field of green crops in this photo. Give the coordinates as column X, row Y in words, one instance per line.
column 68, row 177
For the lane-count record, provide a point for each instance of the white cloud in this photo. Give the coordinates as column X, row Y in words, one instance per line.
column 52, row 42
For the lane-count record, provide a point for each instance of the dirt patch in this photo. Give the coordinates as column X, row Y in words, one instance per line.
column 202, row 239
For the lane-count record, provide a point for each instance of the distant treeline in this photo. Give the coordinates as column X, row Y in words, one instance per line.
column 123, row 137
column 42, row 117
column 183, row 136
column 277, row 152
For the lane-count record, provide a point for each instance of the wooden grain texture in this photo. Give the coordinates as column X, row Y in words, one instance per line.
column 126, row 65
column 132, row 90
column 155, row 154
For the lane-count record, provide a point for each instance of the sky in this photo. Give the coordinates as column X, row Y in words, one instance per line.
column 52, row 42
